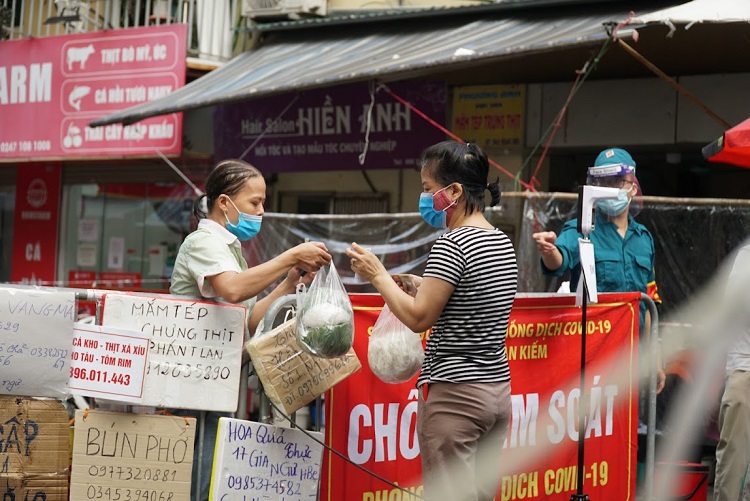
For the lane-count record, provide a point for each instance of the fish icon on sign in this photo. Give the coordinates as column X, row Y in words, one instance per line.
column 78, row 93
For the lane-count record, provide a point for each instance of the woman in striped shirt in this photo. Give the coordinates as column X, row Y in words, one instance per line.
column 465, row 296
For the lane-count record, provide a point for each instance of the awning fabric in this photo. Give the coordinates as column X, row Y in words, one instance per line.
column 733, row 147
column 700, row 11
column 325, row 56
column 292, row 61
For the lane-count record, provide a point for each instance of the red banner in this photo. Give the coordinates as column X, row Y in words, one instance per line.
column 373, row 423
column 35, row 224
column 52, row 87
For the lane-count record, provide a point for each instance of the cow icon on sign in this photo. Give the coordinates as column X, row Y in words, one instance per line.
column 79, row 55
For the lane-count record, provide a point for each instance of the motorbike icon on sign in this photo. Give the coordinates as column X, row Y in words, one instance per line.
column 73, row 138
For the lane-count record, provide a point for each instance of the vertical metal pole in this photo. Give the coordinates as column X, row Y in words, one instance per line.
column 653, row 344
column 242, row 405
column 201, row 435
column 583, row 407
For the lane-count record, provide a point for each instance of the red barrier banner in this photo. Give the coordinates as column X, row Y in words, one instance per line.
column 373, row 424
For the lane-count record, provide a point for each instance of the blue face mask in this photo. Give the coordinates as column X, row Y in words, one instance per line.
column 611, row 207
column 435, row 218
column 247, row 226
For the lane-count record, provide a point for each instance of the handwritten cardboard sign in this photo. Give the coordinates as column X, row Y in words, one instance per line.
column 108, row 362
column 291, row 377
column 195, row 352
column 34, row 450
column 119, row 456
column 259, row 461
column 36, row 328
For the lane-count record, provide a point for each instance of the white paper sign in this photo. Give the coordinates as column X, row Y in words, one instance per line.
column 588, row 273
column 195, row 352
column 86, row 255
column 259, row 461
column 116, row 254
column 88, row 230
column 36, row 329
column 108, row 362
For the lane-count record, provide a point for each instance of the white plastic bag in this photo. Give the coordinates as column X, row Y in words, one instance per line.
column 325, row 318
column 395, row 353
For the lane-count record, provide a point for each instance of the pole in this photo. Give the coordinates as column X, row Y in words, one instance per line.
column 582, row 401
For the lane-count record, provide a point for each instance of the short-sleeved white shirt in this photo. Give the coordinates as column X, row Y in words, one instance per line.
column 206, row 252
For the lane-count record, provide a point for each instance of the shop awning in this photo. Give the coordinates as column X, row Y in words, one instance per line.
column 700, row 11
column 291, row 61
column 396, row 49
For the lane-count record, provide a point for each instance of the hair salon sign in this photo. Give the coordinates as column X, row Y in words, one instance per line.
column 52, row 87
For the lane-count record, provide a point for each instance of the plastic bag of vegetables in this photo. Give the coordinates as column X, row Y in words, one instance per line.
column 395, row 353
column 325, row 318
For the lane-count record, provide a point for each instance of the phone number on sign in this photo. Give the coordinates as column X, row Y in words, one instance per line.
column 125, row 494
column 99, row 376
column 133, row 473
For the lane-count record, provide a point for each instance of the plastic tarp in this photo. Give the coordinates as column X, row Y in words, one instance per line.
column 692, row 239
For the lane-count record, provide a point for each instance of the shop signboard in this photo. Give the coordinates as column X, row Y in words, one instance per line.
column 490, row 115
column 35, row 223
column 373, row 424
column 327, row 129
column 52, row 87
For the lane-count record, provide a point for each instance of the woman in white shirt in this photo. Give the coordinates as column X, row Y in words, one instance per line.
column 210, row 264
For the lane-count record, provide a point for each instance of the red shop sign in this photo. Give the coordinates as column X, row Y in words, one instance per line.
column 52, row 87
column 35, row 224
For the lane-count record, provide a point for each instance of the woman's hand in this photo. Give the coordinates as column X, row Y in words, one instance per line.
column 297, row 276
column 311, row 256
column 365, row 263
column 408, row 283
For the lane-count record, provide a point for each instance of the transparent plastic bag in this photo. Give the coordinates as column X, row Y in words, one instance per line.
column 395, row 353
column 325, row 318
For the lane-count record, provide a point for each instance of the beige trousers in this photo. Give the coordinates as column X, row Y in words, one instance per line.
column 459, row 423
column 733, row 449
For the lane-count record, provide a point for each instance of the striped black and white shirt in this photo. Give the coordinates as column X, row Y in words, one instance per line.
column 467, row 344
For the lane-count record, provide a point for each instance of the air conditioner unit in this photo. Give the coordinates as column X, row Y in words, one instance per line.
column 283, row 8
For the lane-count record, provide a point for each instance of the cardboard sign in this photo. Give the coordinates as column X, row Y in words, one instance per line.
column 36, row 329
column 35, row 451
column 259, row 461
column 108, row 362
column 293, row 378
column 119, row 456
column 195, row 352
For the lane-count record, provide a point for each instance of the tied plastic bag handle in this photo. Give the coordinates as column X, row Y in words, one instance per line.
column 395, row 352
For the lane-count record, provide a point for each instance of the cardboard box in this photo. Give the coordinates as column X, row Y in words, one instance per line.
column 35, row 452
column 119, row 456
column 293, row 378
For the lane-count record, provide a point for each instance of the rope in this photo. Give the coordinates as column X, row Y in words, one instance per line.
column 337, row 453
column 450, row 134
column 673, row 83
column 581, row 76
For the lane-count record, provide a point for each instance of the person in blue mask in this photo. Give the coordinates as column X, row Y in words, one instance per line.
column 623, row 248
column 465, row 295
column 210, row 264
